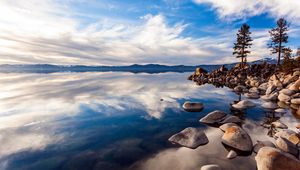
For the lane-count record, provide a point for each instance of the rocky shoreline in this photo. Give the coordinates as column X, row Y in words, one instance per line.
column 278, row 92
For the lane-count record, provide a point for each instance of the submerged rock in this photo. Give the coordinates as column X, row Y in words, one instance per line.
column 261, row 144
column 211, row 167
column 232, row 154
column 193, row 106
column 190, row 137
column 244, row 104
column 269, row 158
column 237, row 138
column 280, row 110
column 286, row 146
column 213, row 117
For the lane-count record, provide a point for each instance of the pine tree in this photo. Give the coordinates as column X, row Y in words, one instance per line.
column 243, row 43
column 278, row 37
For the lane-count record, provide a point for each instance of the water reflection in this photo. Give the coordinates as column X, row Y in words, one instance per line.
column 111, row 121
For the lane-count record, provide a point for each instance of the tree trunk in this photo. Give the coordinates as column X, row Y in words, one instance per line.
column 279, row 49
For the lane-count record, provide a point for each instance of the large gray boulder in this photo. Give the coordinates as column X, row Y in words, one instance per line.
column 269, row 158
column 226, row 125
column 190, row 137
column 237, row 138
column 213, row 117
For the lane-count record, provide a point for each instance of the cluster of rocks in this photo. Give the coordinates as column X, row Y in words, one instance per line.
column 283, row 155
column 234, row 76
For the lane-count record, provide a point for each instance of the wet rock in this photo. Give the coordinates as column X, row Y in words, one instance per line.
column 226, row 125
column 237, row 138
column 278, row 124
column 231, row 119
column 199, row 71
column 284, row 98
column 252, row 95
column 295, row 101
column 232, row 154
column 297, row 95
column 211, row 167
column 213, row 117
column 192, row 106
column 190, row 137
column 280, row 110
column 244, row 104
column 261, row 144
column 289, row 135
column 270, row 89
column 269, row 105
column 287, row 92
column 286, row 146
column 269, row 158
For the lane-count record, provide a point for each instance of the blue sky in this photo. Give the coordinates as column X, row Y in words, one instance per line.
column 115, row 32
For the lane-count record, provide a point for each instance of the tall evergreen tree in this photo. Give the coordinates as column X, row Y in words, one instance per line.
column 243, row 43
column 278, row 37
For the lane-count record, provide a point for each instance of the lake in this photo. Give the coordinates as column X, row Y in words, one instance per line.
column 115, row 120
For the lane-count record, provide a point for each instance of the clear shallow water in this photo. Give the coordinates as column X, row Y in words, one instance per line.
column 113, row 121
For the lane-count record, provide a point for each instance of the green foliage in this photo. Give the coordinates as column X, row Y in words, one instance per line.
column 289, row 63
column 278, row 38
column 243, row 43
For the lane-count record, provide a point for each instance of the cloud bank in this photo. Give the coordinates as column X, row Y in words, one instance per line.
column 239, row 9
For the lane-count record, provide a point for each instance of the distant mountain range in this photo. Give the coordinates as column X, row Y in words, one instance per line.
column 135, row 68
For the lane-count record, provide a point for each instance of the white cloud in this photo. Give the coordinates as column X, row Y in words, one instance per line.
column 239, row 9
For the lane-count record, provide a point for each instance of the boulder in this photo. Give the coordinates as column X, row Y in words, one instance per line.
column 296, row 73
column 286, row 146
column 226, row 125
column 211, row 167
column 287, row 92
column 270, row 89
column 280, row 110
column 244, row 104
column 295, row 101
column 269, row 158
column 261, row 144
column 269, row 105
column 270, row 97
column 190, row 137
column 237, row 138
column 297, row 95
column 192, row 106
column 231, row 154
column 252, row 95
column 283, row 105
column 254, row 90
column 289, row 135
column 231, row 119
column 263, row 86
column 240, row 89
column 278, row 124
column 283, row 97
column 213, row 117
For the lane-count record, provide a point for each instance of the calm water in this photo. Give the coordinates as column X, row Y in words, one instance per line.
column 113, row 121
